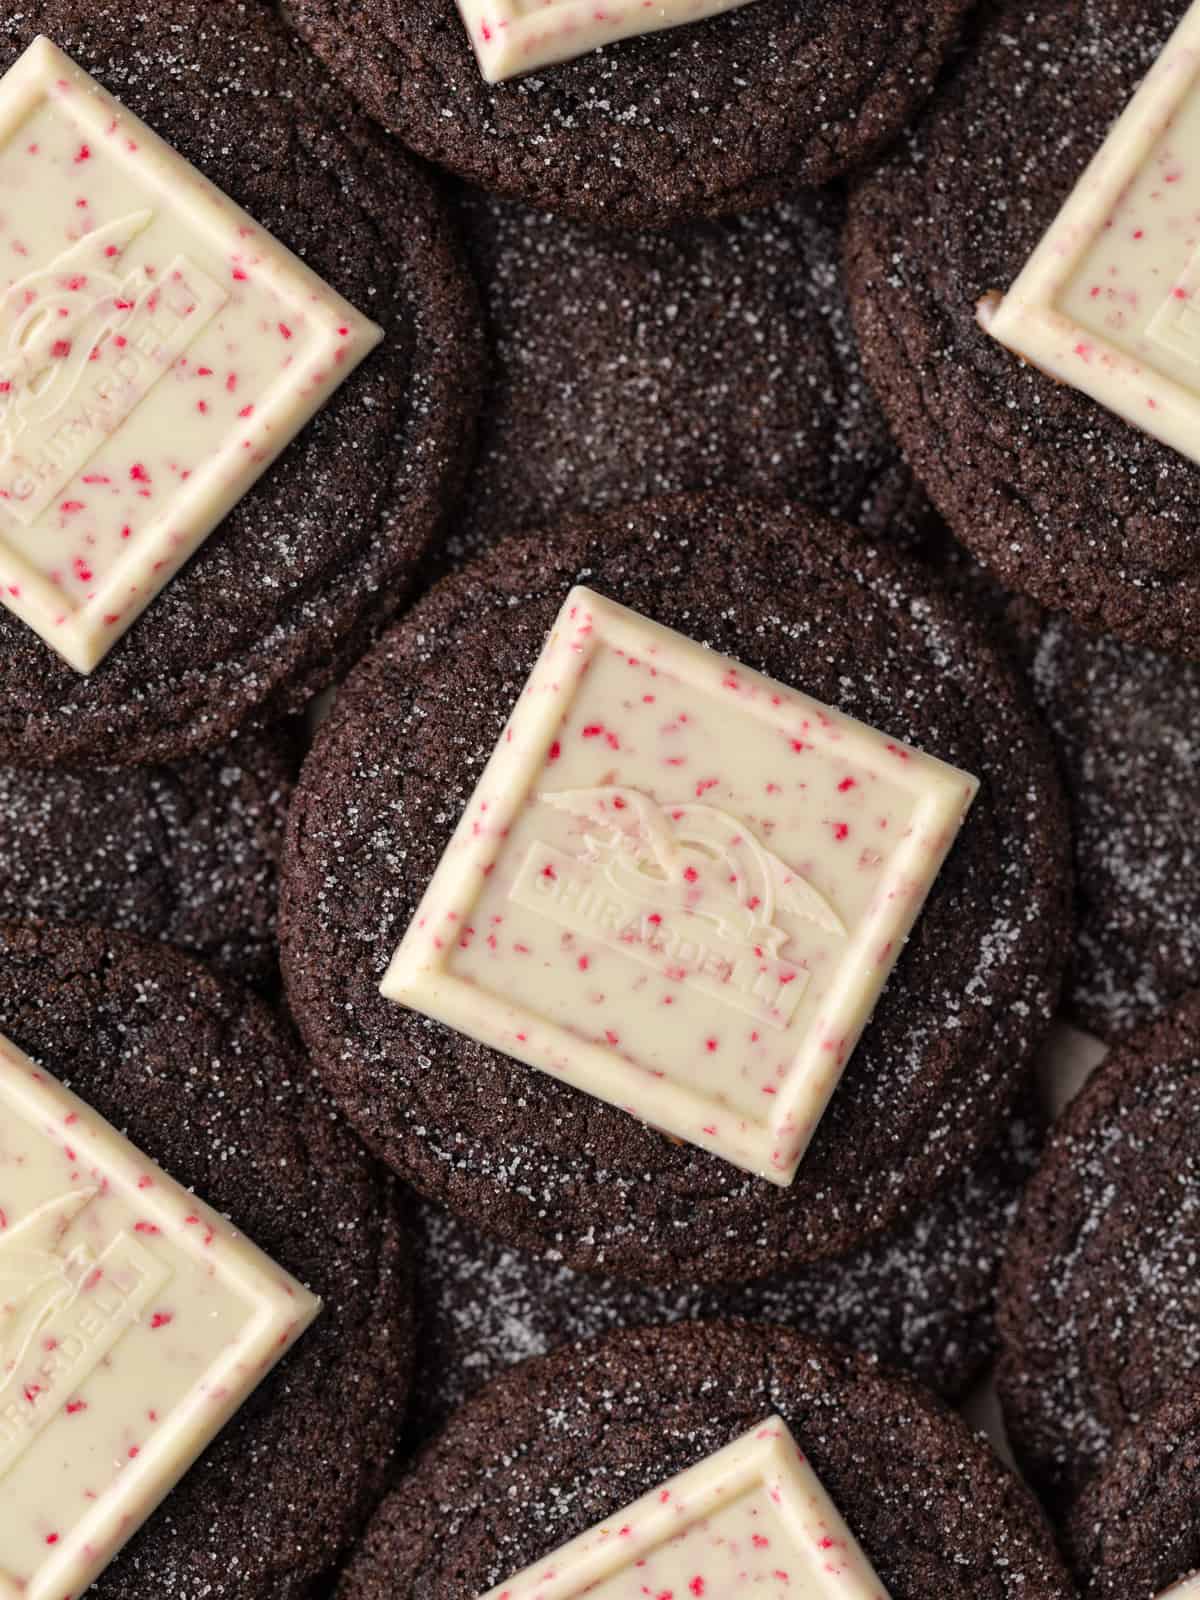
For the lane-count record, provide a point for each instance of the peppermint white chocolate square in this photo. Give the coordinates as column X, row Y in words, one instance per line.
column 751, row 1520
column 679, row 886
column 134, row 1323
column 1186, row 1589
column 158, row 349
column 1109, row 302
column 513, row 36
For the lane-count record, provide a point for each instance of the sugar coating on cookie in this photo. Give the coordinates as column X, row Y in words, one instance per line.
column 134, row 1323
column 513, row 36
column 158, row 350
column 680, row 886
column 1109, row 302
column 751, row 1519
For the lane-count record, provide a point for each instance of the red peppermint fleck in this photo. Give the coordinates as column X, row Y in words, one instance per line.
column 83, row 154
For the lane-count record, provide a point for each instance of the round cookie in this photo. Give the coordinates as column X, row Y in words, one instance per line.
column 204, row 1079
column 558, row 1445
column 920, row 1298
column 525, row 1156
column 1060, row 497
column 188, row 854
column 1136, row 1528
column 1099, row 1309
column 716, row 354
column 725, row 114
column 288, row 590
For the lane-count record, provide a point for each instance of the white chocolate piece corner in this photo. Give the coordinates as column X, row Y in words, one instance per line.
column 516, row 36
column 679, row 886
column 158, row 350
column 134, row 1323
column 1185, row 1589
column 1109, row 302
column 752, row 1520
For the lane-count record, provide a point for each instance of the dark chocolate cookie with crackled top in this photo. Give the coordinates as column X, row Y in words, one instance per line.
column 729, row 112
column 206, row 1081
column 187, row 853
column 561, row 1445
column 1136, row 1528
column 1099, row 1309
column 920, row 1298
column 1062, row 498
column 292, row 584
column 712, row 354
column 537, row 1162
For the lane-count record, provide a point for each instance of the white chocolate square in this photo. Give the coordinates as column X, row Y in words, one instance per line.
column 751, row 1520
column 134, row 1323
column 679, row 886
column 1186, row 1589
column 158, row 350
column 1109, row 302
column 513, row 36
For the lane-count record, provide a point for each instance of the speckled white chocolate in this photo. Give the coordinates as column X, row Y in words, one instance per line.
column 1189, row 1589
column 679, row 886
column 1109, row 302
column 751, row 1520
column 157, row 351
column 134, row 1322
column 512, row 36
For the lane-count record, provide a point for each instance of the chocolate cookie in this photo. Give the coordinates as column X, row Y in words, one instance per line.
column 188, row 854
column 558, row 1445
column 288, row 589
column 530, row 1159
column 725, row 114
column 1136, row 1527
column 1124, row 721
column 205, row 1080
column 1059, row 496
column 1099, row 1308
column 921, row 1298
column 718, row 354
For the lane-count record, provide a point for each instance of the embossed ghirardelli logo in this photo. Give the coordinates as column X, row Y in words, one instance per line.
column 39, row 1275
column 687, row 889
column 80, row 348
column 63, row 1309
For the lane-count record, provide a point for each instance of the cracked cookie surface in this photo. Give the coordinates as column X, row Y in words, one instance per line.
column 716, row 117
column 536, row 1162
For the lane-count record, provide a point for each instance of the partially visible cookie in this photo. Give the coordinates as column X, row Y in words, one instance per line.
column 921, row 1298
column 558, row 1445
column 714, row 354
column 1123, row 720
column 1136, row 1528
column 1125, row 723
column 298, row 578
column 188, row 854
column 1060, row 497
column 718, row 116
column 538, row 1163
column 207, row 1081
column 1099, row 1298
